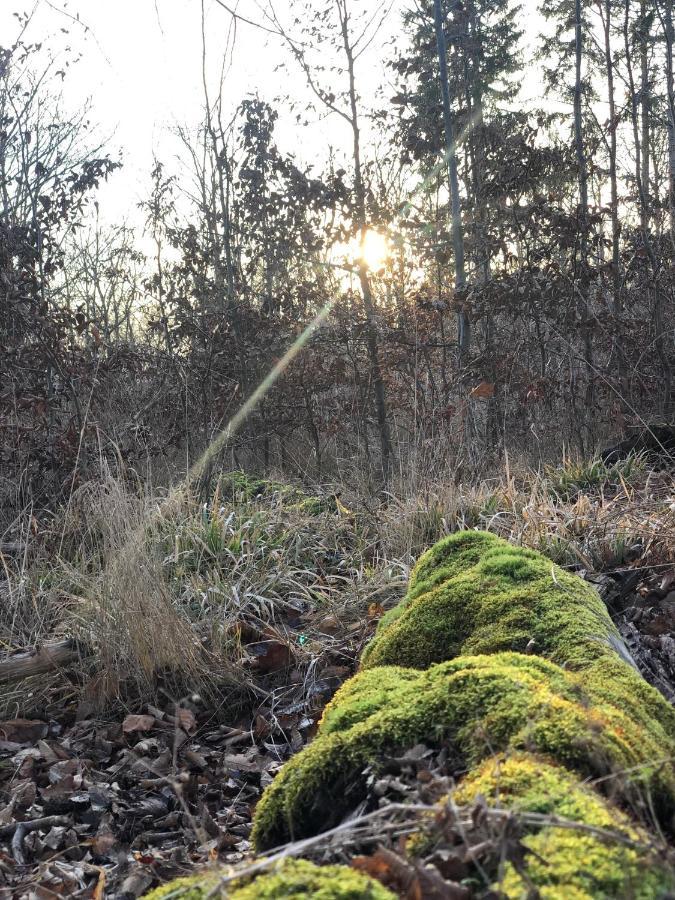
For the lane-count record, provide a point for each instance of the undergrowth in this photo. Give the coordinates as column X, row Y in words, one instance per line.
column 173, row 592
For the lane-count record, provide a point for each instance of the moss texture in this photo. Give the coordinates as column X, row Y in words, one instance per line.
column 293, row 880
column 193, row 887
column 566, row 861
column 298, row 879
column 243, row 488
column 526, row 728
column 480, row 704
column 475, row 593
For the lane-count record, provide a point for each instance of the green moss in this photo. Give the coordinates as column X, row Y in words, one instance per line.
column 479, row 704
column 192, row 887
column 243, row 488
column 475, row 593
column 575, row 708
column 292, row 880
column 565, row 861
column 298, row 878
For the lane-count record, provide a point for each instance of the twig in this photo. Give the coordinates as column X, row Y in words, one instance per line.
column 462, row 817
column 33, row 825
column 17, row 844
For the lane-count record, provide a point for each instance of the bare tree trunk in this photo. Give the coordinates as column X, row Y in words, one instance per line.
column 639, row 168
column 582, row 287
column 364, row 278
column 606, row 15
column 669, row 34
column 644, row 113
column 463, row 327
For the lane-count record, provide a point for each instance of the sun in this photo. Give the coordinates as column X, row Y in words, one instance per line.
column 375, row 249
column 374, row 252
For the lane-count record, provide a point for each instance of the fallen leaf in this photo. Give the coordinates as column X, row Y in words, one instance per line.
column 99, row 890
column 270, row 656
column 137, row 723
column 186, row 719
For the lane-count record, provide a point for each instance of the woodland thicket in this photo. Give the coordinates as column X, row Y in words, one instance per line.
column 526, row 300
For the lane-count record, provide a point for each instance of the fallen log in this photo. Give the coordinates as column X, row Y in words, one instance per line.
column 50, row 656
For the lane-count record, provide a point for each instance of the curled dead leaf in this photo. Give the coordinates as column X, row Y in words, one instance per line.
column 135, row 723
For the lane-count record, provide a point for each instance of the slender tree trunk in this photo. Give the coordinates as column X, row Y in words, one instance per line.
column 364, row 278
column 463, row 326
column 613, row 180
column 669, row 34
column 644, row 113
column 582, row 280
column 639, row 168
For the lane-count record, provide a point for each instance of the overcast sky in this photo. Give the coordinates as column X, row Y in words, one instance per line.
column 141, row 64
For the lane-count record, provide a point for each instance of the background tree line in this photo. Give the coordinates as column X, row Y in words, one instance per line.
column 536, row 310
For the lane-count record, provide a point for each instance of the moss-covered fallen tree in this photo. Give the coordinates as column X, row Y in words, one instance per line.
column 291, row 880
column 516, row 665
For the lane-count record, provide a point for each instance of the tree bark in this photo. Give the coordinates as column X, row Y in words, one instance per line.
column 361, row 221
column 613, row 180
column 669, row 34
column 644, row 114
column 463, row 326
column 582, row 281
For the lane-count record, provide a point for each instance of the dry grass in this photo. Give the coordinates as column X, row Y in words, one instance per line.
column 582, row 515
column 162, row 593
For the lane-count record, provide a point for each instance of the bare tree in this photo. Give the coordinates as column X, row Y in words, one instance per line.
column 463, row 327
column 337, row 19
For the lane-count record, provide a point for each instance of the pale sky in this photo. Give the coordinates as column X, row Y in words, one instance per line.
column 141, row 64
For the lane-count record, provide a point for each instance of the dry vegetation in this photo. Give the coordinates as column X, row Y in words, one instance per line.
column 212, row 633
column 155, row 589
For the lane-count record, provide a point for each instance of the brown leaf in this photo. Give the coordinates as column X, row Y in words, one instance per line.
column 186, row 719
column 270, row 656
column 134, row 723
column 261, row 727
column 375, row 611
column 102, row 843
column 99, row 890
column 331, row 624
column 482, row 391
column 375, row 866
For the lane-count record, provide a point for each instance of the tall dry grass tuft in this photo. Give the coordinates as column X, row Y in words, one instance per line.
column 120, row 601
column 581, row 514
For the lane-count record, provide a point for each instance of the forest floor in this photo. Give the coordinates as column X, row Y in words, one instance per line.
column 212, row 639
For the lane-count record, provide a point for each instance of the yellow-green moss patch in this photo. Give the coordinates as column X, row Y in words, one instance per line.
column 292, row 880
column 298, row 879
column 480, row 705
column 192, row 887
column 475, row 593
column 591, row 860
column 243, row 488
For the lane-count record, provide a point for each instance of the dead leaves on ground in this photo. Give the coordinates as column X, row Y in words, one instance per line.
column 96, row 809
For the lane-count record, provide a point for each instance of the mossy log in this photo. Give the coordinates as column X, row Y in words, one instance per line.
column 445, row 665
column 292, row 880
